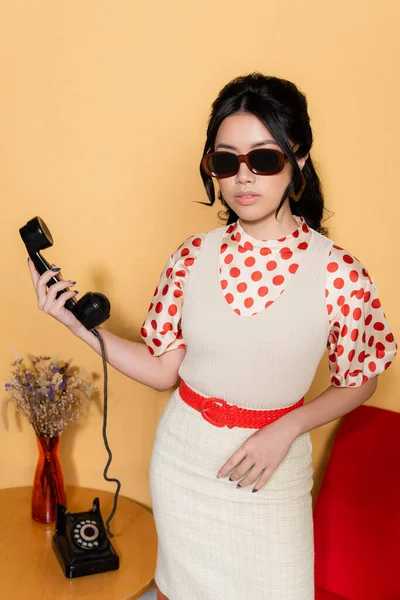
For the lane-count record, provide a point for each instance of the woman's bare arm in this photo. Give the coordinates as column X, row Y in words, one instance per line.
column 134, row 359
column 130, row 358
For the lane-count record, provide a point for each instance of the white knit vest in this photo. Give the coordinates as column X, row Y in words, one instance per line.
column 264, row 361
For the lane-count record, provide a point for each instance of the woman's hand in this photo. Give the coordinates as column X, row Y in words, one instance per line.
column 259, row 456
column 46, row 297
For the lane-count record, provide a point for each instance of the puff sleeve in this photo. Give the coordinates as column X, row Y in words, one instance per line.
column 161, row 330
column 361, row 344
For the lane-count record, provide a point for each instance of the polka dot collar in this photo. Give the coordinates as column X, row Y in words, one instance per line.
column 300, row 234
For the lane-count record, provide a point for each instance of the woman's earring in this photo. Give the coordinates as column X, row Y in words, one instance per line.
column 297, row 195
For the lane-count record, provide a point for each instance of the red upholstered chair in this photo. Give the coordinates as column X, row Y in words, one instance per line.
column 324, row 595
column 357, row 511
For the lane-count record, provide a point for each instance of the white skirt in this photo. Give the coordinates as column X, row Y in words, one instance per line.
column 219, row 542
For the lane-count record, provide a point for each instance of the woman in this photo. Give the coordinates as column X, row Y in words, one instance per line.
column 243, row 315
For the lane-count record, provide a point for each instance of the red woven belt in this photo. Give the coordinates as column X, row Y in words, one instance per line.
column 219, row 413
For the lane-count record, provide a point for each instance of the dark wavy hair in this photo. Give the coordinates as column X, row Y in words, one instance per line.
column 282, row 108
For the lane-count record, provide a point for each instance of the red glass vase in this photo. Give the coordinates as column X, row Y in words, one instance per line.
column 48, row 486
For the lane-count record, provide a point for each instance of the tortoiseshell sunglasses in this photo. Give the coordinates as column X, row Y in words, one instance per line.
column 264, row 161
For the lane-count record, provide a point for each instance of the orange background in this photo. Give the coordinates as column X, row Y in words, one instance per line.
column 91, row 92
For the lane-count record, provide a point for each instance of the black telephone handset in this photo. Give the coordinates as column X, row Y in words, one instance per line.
column 81, row 539
column 93, row 308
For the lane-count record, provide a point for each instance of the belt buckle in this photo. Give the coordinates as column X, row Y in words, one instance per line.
column 220, row 417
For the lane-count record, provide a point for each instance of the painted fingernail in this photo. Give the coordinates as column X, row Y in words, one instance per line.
column 230, row 479
column 219, row 475
column 72, row 282
column 76, row 291
column 254, row 491
column 238, row 485
column 56, row 269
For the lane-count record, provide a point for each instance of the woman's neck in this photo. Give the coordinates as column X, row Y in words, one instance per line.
column 270, row 227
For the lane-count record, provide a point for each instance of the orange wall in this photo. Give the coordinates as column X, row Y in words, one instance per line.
column 92, row 91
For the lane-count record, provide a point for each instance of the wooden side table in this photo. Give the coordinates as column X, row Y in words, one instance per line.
column 29, row 568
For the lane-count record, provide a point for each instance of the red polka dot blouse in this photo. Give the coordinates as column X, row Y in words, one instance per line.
column 253, row 273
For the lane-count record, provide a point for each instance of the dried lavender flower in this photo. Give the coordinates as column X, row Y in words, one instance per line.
column 49, row 392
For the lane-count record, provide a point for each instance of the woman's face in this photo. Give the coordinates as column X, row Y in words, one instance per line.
column 252, row 197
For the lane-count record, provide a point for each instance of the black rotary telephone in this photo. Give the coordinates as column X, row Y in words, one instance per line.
column 81, row 539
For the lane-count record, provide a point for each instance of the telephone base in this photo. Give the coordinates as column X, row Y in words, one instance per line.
column 81, row 543
column 78, row 566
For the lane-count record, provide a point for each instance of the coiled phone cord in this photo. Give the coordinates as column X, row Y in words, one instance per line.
column 117, row 481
